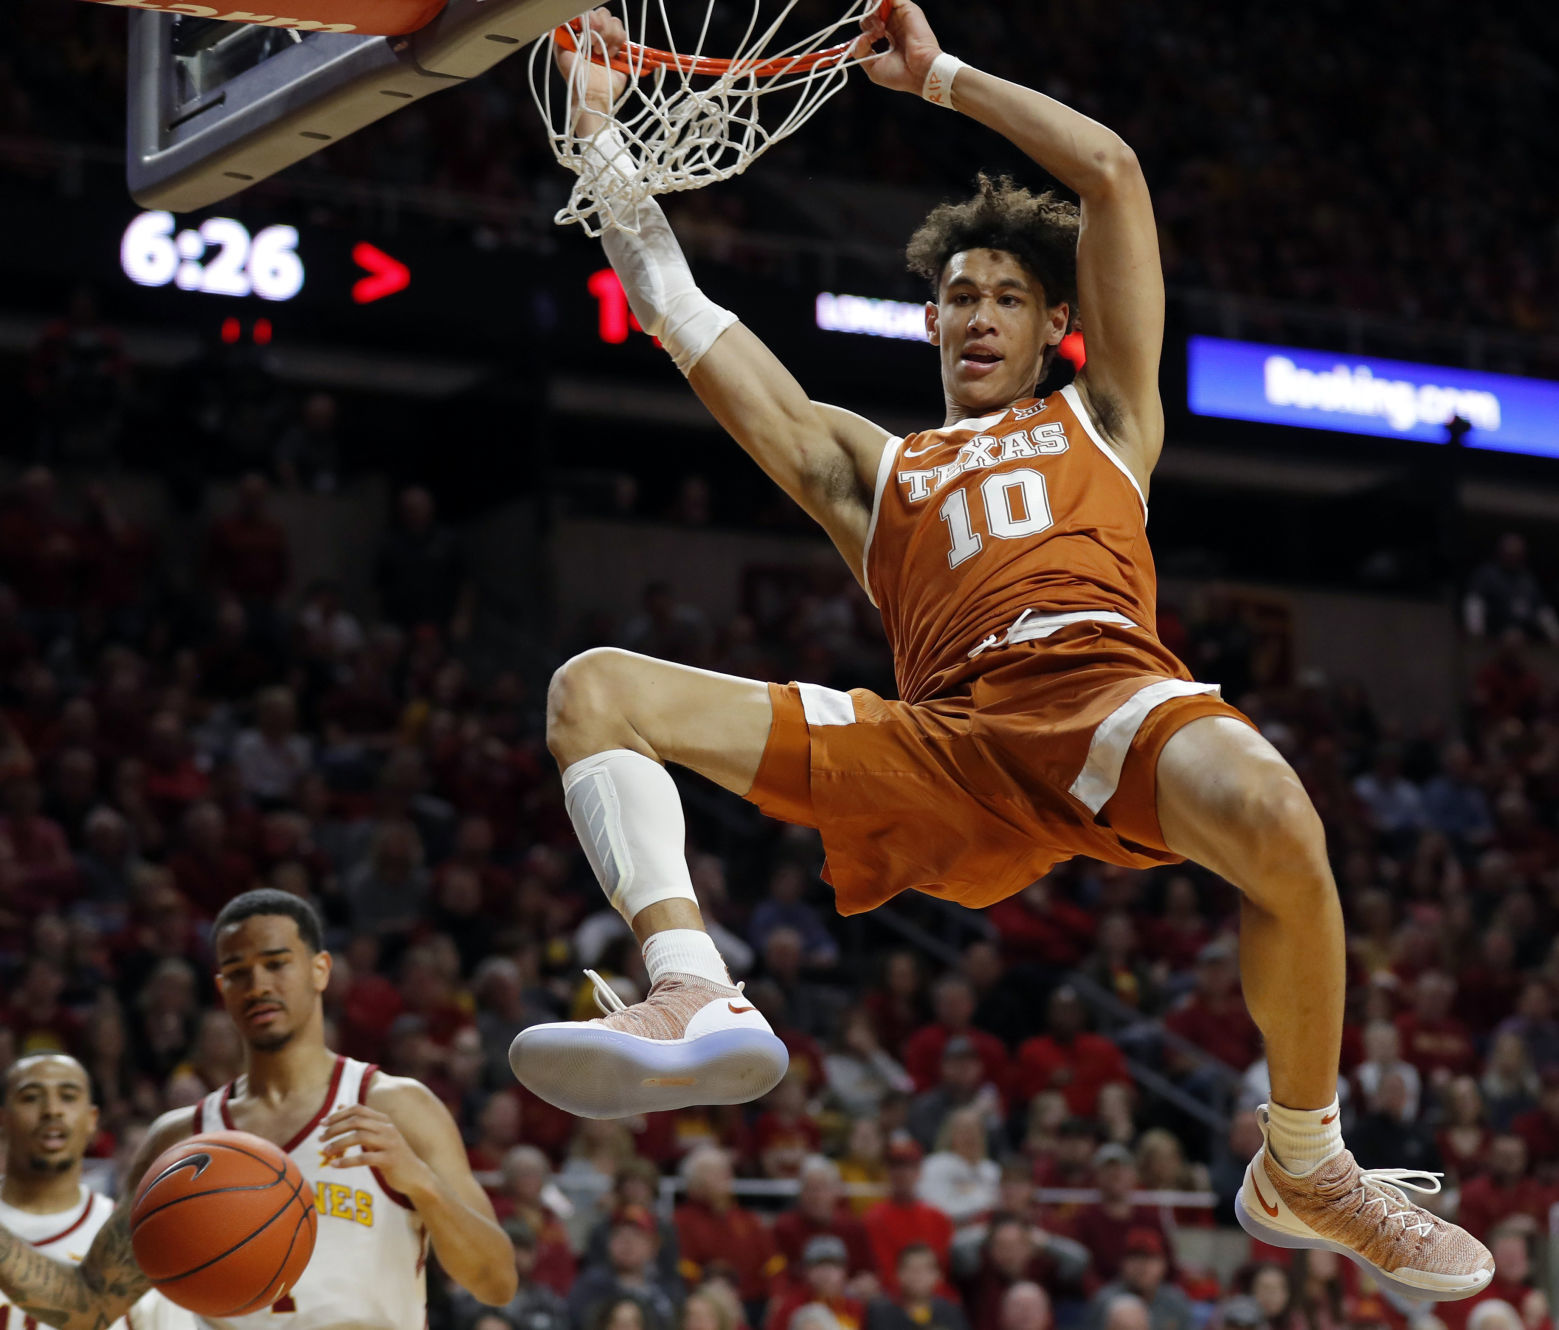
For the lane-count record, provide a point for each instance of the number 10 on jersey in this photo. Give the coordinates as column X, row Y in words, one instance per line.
column 1016, row 504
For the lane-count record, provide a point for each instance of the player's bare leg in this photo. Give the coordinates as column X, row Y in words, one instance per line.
column 1228, row 801
column 613, row 719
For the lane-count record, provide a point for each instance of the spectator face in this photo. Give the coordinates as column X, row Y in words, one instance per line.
column 525, row 1173
column 1512, row 1256
column 826, row 1280
column 1025, row 1307
column 1126, row 1314
column 1508, row 1159
column 1535, row 1003
column 416, row 509
column 782, row 954
column 962, row 1073
column 866, row 1143
column 631, row 1248
column 1508, row 1057
column 982, row 965
column 820, row 1193
column 1512, row 551
column 1064, row 1017
column 1382, row 1044
column 699, row 1313
column 1463, row 1102
column 965, row 1136
column 1216, row 977
column 1143, row 1273
column 903, row 974
column 1010, row 1249
column 919, row 1275
column 1180, row 897
column 49, row 1117
column 625, row 1315
column 1270, row 1289
column 954, row 1004
column 252, row 491
column 1117, row 1180
column 524, row 1261
column 1391, row 1099
column 709, row 1180
column 1432, row 996
column 903, row 1178
column 786, row 884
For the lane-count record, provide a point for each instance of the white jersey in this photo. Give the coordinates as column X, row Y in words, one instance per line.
column 66, row 1236
column 368, row 1270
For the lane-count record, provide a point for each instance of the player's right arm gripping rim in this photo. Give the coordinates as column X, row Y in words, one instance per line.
column 108, row 1282
column 825, row 458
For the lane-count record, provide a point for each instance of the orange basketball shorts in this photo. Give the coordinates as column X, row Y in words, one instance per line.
column 1048, row 752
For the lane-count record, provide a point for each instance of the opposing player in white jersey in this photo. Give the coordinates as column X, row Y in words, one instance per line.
column 49, row 1120
column 384, row 1156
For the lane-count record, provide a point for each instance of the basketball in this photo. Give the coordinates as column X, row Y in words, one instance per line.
column 223, row 1224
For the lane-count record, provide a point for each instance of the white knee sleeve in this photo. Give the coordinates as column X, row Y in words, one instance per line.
column 628, row 816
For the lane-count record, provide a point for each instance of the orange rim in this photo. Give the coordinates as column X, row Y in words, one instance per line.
column 636, row 58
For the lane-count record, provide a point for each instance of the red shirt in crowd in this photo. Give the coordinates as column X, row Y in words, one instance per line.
column 793, row 1230
column 1105, row 1235
column 1486, row 1203
column 1541, row 1133
column 893, row 1225
column 1079, row 1069
column 247, row 555
column 923, row 1055
column 849, row 1312
column 1433, row 1045
column 1223, row 1029
column 1058, row 935
column 732, row 1239
column 800, row 1133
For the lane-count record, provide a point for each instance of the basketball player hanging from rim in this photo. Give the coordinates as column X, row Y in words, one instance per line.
column 384, row 1157
column 1041, row 716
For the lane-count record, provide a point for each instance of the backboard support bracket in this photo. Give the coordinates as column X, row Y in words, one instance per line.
column 188, row 153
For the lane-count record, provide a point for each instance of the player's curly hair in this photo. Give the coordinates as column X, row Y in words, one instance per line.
column 1040, row 230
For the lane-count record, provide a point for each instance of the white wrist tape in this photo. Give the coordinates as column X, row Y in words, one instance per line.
column 938, row 88
column 650, row 264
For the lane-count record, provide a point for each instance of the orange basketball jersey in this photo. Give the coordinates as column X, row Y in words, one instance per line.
column 976, row 523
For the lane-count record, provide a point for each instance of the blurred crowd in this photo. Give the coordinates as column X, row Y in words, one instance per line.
column 1329, row 153
column 963, row 1140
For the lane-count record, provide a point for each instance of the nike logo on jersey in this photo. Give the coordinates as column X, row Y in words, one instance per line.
column 920, row 452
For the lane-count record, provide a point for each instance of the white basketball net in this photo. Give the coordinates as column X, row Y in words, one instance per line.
column 687, row 129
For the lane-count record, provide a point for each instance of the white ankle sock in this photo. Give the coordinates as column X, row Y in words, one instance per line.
column 626, row 812
column 1302, row 1139
column 684, row 951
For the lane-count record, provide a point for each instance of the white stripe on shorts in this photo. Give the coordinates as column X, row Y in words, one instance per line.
column 1112, row 740
column 826, row 706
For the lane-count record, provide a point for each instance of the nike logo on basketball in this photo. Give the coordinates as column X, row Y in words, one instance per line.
column 1255, row 1186
column 735, row 1010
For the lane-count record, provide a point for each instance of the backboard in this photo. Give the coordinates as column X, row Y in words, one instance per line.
column 216, row 106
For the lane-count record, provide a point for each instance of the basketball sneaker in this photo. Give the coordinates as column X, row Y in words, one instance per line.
column 691, row 1041
column 1363, row 1214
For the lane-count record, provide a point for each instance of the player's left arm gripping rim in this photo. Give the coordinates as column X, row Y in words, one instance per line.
column 405, row 1133
column 1120, row 280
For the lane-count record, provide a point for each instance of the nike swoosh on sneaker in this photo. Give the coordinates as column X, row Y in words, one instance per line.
column 737, row 1011
column 1272, row 1210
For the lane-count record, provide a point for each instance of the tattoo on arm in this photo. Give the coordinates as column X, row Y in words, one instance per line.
column 89, row 1296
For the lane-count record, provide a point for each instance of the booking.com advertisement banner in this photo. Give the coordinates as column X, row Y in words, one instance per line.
column 1396, row 399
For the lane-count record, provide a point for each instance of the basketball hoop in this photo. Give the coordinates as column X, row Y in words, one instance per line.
column 689, row 119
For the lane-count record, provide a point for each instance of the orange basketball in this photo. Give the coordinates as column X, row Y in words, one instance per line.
column 223, row 1224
